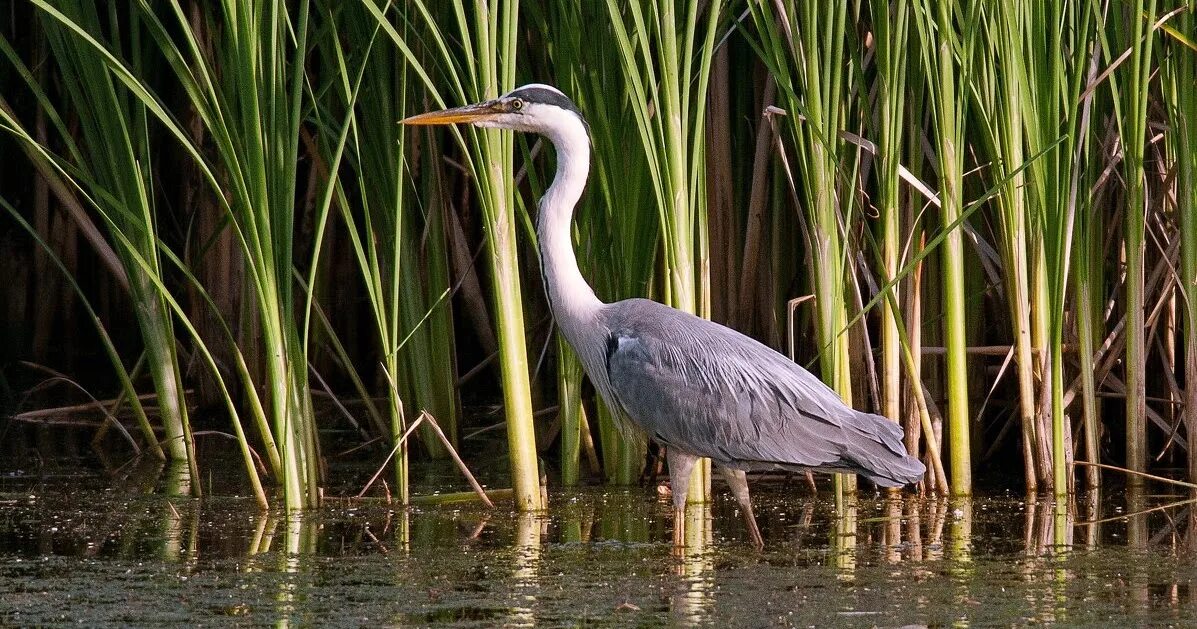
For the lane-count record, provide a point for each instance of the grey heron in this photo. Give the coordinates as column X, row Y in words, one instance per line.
column 699, row 388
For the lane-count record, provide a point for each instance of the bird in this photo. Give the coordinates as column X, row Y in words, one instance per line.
column 698, row 388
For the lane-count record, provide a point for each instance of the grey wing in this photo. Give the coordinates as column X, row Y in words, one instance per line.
column 708, row 390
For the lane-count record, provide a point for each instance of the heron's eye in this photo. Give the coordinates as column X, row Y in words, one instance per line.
column 516, row 104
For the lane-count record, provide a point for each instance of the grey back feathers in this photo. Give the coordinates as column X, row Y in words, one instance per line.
column 708, row 390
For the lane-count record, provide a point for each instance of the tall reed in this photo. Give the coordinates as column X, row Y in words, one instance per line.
column 112, row 167
column 399, row 245
column 116, row 157
column 1134, row 30
column 947, row 33
column 1058, row 37
column 474, row 47
column 250, row 95
column 1179, row 65
column 616, row 224
column 666, row 50
column 804, row 49
column 999, row 96
column 280, row 109
column 891, row 27
column 295, row 462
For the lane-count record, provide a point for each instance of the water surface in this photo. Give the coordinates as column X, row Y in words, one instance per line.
column 77, row 549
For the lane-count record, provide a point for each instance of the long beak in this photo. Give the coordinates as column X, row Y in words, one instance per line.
column 469, row 113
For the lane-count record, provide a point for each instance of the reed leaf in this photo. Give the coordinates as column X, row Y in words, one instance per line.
column 473, row 46
column 112, row 160
column 665, row 49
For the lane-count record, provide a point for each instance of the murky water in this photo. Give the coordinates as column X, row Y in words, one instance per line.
column 73, row 550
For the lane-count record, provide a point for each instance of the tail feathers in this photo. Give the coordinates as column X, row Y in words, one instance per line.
column 879, row 454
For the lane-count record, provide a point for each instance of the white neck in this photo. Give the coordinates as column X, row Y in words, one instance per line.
column 571, row 299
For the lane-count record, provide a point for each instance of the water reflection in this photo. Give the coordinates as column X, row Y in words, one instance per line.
column 913, row 509
column 529, row 538
column 605, row 557
column 891, row 534
column 175, row 529
column 960, row 531
column 301, row 535
column 263, row 534
column 959, row 515
column 1137, row 536
column 843, row 538
column 693, row 591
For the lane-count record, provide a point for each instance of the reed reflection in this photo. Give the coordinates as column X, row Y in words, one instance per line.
column 1137, row 537
column 263, row 534
column 1064, row 529
column 577, row 521
column 914, row 531
column 1063, row 520
column 891, row 538
column 174, row 527
column 1047, row 538
column 692, row 598
column 937, row 514
column 947, row 561
column 301, row 535
column 623, row 516
column 843, row 536
column 529, row 533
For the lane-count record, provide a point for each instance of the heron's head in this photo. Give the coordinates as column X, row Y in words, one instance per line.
column 534, row 108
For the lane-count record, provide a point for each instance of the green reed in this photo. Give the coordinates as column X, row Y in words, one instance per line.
column 1133, row 29
column 947, row 34
column 666, row 50
column 112, row 167
column 616, row 223
column 471, row 47
column 284, row 108
column 1179, row 67
column 399, row 245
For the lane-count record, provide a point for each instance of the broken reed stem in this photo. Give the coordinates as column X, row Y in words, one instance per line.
column 465, row 471
column 1125, row 516
column 394, row 450
column 457, row 459
column 1162, row 479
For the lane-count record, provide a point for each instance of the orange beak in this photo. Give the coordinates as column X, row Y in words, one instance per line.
column 469, row 113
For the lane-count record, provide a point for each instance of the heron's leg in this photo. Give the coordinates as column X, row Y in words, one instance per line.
column 738, row 482
column 680, row 466
column 652, row 458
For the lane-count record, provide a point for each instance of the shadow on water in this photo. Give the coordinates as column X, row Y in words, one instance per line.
column 74, row 550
